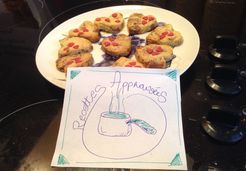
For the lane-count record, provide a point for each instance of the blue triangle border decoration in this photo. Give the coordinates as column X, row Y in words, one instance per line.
column 74, row 73
column 172, row 75
column 62, row 160
column 176, row 161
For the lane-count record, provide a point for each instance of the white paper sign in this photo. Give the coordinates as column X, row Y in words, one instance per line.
column 121, row 118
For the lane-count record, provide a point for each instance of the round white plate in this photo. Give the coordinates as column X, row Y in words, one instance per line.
column 47, row 52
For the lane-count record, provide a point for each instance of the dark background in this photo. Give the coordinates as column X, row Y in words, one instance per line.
column 30, row 107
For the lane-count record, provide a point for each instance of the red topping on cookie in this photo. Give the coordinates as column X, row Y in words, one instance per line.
column 145, row 17
column 85, row 30
column 159, row 49
column 144, row 22
column 170, row 34
column 166, row 33
column 149, row 50
column 162, row 36
column 115, row 44
column 76, row 30
column 77, row 60
column 106, row 43
column 114, row 15
column 69, row 62
column 133, row 63
column 151, row 18
column 81, row 33
column 70, row 44
column 155, row 53
column 76, row 47
column 98, row 19
column 107, row 19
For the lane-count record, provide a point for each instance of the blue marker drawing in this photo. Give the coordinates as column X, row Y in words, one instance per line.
column 122, row 120
column 118, row 123
column 143, row 125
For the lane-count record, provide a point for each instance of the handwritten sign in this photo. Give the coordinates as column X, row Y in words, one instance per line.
column 121, row 118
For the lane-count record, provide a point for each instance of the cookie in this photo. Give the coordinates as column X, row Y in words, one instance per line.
column 165, row 35
column 119, row 45
column 112, row 24
column 126, row 62
column 87, row 30
column 80, row 60
column 154, row 56
column 74, row 45
column 138, row 23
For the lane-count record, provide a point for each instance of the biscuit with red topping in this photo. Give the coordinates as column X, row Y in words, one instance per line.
column 126, row 62
column 165, row 35
column 112, row 24
column 154, row 56
column 138, row 23
column 87, row 30
column 74, row 45
column 80, row 60
column 119, row 45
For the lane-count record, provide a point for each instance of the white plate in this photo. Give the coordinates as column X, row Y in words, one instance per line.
column 47, row 52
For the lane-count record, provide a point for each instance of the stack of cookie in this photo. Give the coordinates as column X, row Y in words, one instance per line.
column 76, row 48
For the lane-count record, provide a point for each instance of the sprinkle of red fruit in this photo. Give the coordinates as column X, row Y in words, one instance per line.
column 77, row 60
column 149, row 50
column 70, row 44
column 85, row 30
column 107, row 19
column 151, row 18
column 144, row 22
column 70, row 62
column 76, row 30
column 114, row 15
column 106, row 43
column 98, row 19
column 155, row 53
column 170, row 34
column 162, row 36
column 145, row 17
column 159, row 49
column 76, row 46
column 132, row 63
column 115, row 44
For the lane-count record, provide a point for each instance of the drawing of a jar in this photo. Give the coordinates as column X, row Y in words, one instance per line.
column 119, row 124
column 114, row 124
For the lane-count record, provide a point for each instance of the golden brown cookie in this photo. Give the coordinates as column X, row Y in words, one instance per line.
column 74, row 45
column 126, row 62
column 154, row 56
column 165, row 35
column 112, row 24
column 119, row 45
column 80, row 60
column 138, row 23
column 87, row 30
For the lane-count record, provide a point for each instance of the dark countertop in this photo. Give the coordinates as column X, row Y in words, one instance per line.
column 30, row 106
